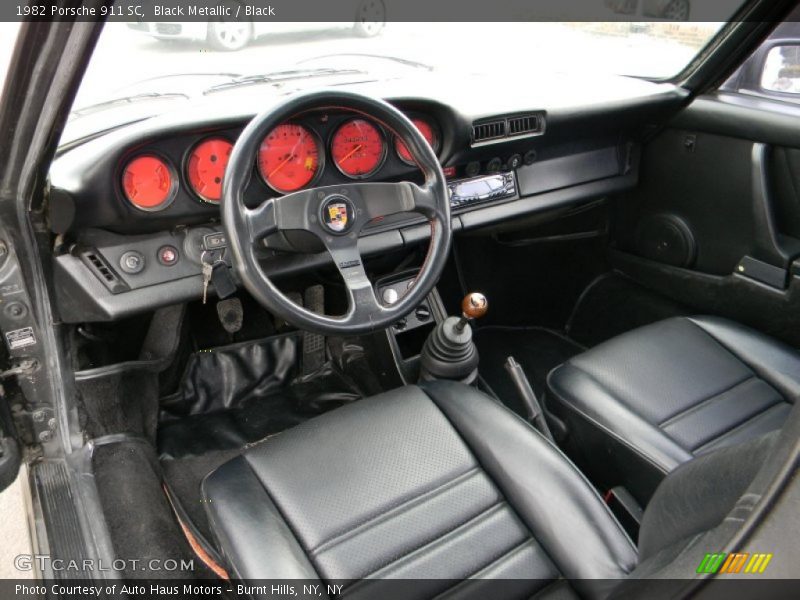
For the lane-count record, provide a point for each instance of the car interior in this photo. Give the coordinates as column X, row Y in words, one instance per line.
column 361, row 334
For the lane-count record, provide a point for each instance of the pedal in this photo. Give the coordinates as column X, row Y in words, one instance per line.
column 314, row 343
column 231, row 314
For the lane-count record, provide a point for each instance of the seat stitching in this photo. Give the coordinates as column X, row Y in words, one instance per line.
column 739, row 426
column 592, row 490
column 505, row 555
column 492, row 562
column 733, row 350
column 627, row 443
column 387, row 513
column 484, row 514
column 680, row 414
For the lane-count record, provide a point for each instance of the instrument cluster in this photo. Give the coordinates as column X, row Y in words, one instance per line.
column 293, row 156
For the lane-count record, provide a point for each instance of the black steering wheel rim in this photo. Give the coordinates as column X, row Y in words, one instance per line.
column 245, row 227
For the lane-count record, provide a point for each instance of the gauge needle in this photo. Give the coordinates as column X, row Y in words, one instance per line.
column 353, row 151
column 280, row 166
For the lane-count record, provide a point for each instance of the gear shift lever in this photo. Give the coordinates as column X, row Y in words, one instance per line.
column 449, row 352
column 473, row 306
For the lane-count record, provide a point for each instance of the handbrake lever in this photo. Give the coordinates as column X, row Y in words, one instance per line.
column 535, row 415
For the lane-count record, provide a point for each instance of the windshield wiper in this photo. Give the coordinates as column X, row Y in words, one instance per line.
column 281, row 76
column 403, row 61
column 85, row 110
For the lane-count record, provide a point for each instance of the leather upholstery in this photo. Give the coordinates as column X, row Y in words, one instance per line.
column 673, row 390
column 437, row 483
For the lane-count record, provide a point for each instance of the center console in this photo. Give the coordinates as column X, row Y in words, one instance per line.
column 407, row 336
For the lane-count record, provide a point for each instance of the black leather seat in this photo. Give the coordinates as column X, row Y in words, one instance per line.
column 409, row 493
column 646, row 401
column 438, row 484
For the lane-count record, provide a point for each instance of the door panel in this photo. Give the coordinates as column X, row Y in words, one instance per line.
column 715, row 221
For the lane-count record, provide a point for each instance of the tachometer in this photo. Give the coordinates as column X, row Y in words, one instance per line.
column 206, row 167
column 289, row 158
column 427, row 131
column 148, row 183
column 358, row 148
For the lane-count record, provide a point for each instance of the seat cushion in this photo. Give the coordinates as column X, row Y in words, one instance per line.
column 653, row 398
column 438, row 483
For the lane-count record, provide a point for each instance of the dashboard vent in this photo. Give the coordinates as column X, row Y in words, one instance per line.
column 523, row 125
column 102, row 270
column 517, row 126
column 491, row 130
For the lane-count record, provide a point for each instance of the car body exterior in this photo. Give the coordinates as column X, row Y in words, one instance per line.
column 369, row 19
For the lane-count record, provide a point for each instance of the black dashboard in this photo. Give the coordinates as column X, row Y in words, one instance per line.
column 136, row 207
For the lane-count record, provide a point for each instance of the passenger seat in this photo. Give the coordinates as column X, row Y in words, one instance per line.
column 641, row 404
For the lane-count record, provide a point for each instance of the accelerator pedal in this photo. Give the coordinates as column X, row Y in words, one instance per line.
column 314, row 343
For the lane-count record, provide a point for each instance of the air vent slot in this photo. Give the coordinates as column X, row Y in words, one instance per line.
column 508, row 127
column 491, row 130
column 523, row 125
column 102, row 270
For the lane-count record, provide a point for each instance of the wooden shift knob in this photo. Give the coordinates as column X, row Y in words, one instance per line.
column 474, row 305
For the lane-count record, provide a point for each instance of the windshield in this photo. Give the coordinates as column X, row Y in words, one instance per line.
column 128, row 53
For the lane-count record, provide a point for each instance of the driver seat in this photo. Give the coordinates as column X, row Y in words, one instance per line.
column 437, row 484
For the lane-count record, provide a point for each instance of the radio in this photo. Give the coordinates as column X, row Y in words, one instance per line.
column 487, row 188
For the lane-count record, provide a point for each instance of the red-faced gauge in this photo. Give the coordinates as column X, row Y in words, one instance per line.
column 358, row 148
column 148, row 183
column 427, row 131
column 206, row 167
column 289, row 158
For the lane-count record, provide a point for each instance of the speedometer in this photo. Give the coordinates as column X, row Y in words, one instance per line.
column 206, row 166
column 289, row 158
column 358, row 148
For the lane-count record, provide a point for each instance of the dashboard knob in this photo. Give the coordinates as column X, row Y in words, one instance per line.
column 494, row 165
column 132, row 262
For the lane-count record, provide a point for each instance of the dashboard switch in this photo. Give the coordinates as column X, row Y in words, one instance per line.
column 132, row 262
column 423, row 313
column 168, row 255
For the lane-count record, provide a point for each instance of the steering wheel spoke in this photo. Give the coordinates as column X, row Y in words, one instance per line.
column 289, row 212
column 347, row 259
column 385, row 199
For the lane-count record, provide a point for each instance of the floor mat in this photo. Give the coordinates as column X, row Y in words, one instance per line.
column 140, row 520
column 537, row 350
column 613, row 304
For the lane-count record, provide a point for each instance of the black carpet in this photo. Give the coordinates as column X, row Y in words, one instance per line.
column 140, row 520
column 537, row 350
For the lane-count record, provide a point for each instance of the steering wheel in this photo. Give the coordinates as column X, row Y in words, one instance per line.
column 336, row 215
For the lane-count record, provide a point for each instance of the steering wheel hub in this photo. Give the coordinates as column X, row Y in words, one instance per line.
column 338, row 214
